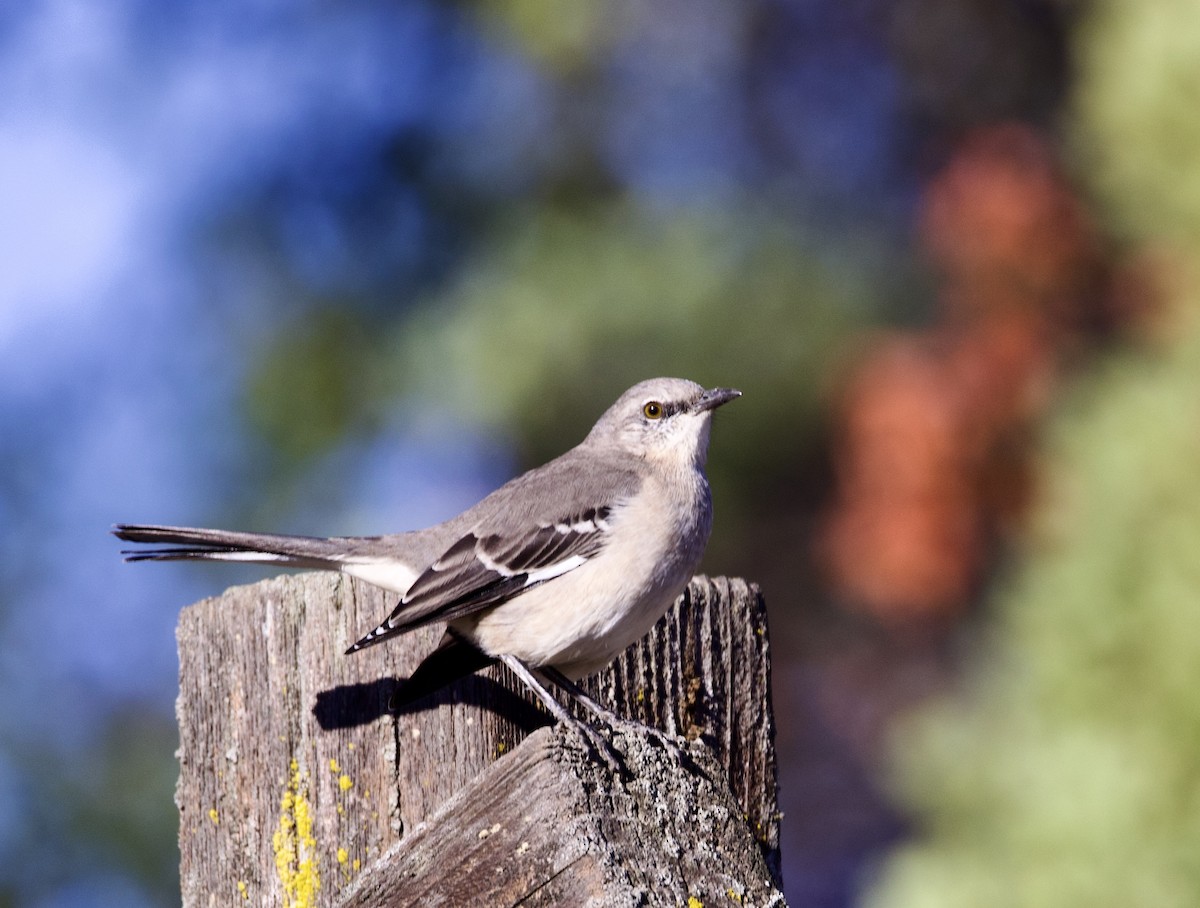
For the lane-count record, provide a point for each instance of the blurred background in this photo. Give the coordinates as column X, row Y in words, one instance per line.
column 343, row 267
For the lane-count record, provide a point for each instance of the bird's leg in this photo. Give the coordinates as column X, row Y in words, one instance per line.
column 592, row 739
column 615, row 721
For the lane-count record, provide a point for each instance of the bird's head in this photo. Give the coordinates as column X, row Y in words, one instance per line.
column 662, row 418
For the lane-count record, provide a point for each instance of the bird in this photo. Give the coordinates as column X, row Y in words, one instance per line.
column 553, row 574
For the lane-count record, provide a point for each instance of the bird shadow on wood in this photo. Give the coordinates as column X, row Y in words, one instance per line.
column 351, row 705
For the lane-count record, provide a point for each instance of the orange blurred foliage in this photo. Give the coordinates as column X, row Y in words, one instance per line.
column 931, row 455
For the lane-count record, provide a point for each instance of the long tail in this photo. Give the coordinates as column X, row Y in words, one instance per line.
column 190, row 543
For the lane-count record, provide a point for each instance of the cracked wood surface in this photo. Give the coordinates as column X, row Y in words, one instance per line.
column 550, row 826
column 293, row 777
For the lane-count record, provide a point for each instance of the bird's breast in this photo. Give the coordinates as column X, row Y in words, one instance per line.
column 580, row 621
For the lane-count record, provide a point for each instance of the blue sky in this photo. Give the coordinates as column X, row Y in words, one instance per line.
column 124, row 129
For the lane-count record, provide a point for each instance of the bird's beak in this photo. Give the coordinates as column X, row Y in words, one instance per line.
column 713, row 398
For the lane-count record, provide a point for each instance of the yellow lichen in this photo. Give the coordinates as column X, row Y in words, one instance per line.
column 343, row 856
column 333, row 765
column 294, row 845
column 356, row 864
column 345, row 783
column 734, row 895
column 694, row 902
column 213, row 815
column 242, row 890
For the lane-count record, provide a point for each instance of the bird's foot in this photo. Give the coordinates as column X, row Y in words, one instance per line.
column 592, row 740
column 598, row 746
column 673, row 745
column 618, row 723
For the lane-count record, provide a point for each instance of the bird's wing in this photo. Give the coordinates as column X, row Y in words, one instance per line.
column 482, row 569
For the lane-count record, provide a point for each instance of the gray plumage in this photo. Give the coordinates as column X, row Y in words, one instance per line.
column 560, row 568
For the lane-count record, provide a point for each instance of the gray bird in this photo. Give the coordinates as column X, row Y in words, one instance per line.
column 557, row 571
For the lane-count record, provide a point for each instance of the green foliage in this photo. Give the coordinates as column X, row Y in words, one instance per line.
column 124, row 800
column 562, row 37
column 309, row 386
column 1068, row 775
column 569, row 309
column 1138, row 135
column 105, row 812
column 562, row 311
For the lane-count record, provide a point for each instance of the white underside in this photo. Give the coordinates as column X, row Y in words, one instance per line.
column 389, row 575
column 581, row 620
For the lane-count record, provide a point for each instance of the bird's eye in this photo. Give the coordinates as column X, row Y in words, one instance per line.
column 653, row 410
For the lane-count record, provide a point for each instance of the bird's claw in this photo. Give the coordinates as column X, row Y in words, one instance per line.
column 599, row 746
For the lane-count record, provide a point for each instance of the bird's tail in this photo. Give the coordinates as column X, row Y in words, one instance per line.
column 190, row 543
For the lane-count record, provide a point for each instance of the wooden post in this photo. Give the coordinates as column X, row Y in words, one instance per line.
column 298, row 788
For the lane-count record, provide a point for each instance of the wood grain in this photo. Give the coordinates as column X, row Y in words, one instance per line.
column 294, row 777
column 549, row 826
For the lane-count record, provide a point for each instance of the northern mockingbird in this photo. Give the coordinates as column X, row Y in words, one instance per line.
column 557, row 571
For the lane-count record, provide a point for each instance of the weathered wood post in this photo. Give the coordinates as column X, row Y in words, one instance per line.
column 298, row 788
